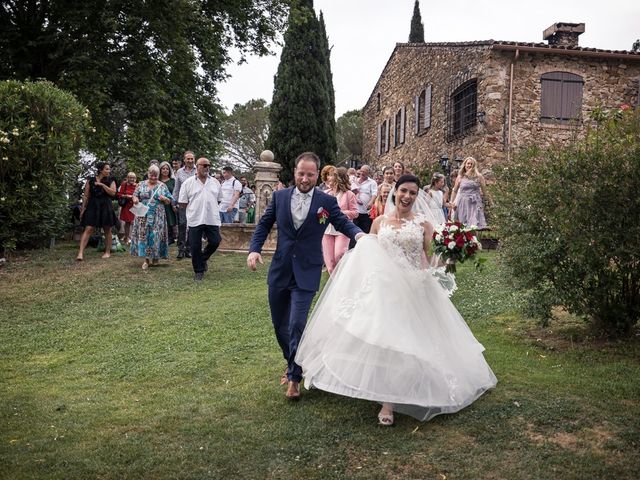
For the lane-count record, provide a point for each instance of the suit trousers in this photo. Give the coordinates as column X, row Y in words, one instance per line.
column 289, row 311
column 199, row 257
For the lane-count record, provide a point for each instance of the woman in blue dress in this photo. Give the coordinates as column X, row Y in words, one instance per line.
column 149, row 238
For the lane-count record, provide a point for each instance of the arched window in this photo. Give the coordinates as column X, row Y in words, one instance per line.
column 561, row 99
column 463, row 110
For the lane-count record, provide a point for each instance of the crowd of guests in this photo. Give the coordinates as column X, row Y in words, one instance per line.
column 152, row 218
column 150, row 215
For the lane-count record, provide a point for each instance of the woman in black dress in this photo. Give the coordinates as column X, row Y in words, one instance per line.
column 97, row 209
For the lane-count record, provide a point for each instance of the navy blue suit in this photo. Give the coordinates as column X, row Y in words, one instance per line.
column 296, row 267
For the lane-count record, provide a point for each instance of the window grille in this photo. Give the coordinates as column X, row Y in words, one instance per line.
column 461, row 106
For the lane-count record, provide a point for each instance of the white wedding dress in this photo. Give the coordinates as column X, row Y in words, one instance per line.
column 384, row 329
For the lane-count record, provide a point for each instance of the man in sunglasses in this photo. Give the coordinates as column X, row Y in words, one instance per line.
column 200, row 195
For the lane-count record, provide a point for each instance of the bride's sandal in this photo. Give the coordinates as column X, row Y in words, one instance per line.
column 385, row 420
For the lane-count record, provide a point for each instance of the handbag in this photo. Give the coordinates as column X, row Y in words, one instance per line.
column 121, row 200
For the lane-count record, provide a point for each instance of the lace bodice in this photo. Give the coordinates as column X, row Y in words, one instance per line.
column 404, row 244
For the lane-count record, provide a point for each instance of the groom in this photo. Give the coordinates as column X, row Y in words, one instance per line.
column 302, row 214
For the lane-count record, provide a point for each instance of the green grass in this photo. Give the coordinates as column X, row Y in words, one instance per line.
column 108, row 372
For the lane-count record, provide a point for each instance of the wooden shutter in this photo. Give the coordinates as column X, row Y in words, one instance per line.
column 379, row 140
column 571, row 100
column 416, row 109
column 403, row 118
column 395, row 132
column 427, row 107
column 386, row 145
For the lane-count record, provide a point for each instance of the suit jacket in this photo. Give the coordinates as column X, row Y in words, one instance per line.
column 299, row 252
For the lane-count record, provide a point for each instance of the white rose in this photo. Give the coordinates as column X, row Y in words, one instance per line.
column 453, row 228
column 438, row 238
column 451, row 245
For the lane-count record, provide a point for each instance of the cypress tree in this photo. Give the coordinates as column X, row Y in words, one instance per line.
column 302, row 110
column 416, row 35
column 330, row 119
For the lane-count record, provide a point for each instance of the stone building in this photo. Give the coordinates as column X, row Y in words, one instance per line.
column 489, row 98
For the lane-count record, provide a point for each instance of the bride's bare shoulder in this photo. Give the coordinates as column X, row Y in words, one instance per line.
column 376, row 224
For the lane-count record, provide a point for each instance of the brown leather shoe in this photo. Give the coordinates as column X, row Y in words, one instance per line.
column 283, row 378
column 293, row 391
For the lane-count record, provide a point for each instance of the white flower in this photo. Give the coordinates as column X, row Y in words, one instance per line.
column 4, row 140
column 451, row 245
column 438, row 238
column 15, row 131
column 2, row 199
column 34, row 187
column 453, row 228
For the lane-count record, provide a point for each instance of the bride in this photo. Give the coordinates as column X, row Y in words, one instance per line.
column 384, row 328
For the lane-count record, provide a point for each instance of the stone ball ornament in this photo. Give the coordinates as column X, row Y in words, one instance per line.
column 267, row 156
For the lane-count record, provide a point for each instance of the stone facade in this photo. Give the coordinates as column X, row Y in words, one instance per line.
column 610, row 79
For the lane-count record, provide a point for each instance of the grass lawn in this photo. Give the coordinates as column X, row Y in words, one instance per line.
column 112, row 373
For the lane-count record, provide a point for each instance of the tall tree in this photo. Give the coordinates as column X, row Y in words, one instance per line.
column 146, row 70
column 301, row 116
column 416, row 35
column 245, row 131
column 349, row 130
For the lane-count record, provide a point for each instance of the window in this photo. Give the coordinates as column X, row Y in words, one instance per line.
column 561, row 99
column 383, row 137
column 399, row 122
column 462, row 110
column 422, row 110
column 379, row 103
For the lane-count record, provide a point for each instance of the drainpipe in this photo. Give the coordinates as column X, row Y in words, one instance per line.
column 517, row 54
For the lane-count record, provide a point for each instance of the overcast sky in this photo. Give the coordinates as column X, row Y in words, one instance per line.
column 363, row 33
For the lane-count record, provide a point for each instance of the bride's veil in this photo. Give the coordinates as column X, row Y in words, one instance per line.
column 420, row 206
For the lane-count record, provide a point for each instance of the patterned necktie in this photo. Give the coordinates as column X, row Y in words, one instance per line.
column 303, row 201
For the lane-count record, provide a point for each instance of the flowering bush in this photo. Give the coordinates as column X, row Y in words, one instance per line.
column 567, row 218
column 41, row 131
column 455, row 242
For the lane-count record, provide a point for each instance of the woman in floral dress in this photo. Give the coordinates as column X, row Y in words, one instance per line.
column 149, row 238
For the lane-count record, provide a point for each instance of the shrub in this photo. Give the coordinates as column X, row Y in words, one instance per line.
column 41, row 132
column 569, row 225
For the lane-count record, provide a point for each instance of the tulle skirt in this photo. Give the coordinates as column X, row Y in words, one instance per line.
column 387, row 332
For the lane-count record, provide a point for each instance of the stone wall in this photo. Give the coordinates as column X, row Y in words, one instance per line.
column 237, row 236
column 608, row 83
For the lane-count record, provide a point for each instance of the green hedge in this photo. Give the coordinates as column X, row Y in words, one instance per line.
column 569, row 224
column 42, row 129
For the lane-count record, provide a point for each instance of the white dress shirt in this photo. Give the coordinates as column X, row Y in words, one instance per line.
column 300, row 203
column 366, row 191
column 202, row 201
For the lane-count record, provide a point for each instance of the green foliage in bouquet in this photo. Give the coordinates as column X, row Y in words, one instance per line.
column 569, row 224
column 42, row 129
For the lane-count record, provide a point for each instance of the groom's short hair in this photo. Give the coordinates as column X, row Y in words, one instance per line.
column 308, row 156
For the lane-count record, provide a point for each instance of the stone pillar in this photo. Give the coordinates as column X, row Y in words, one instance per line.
column 266, row 181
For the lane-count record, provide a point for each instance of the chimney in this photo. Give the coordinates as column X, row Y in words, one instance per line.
column 565, row 34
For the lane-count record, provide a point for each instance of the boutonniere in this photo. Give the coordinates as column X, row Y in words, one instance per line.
column 322, row 215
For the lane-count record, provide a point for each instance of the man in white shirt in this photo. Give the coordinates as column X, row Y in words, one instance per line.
column 181, row 176
column 366, row 190
column 200, row 195
column 231, row 191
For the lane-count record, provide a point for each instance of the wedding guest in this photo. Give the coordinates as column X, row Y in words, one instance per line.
column 176, row 164
column 125, row 193
column 351, row 172
column 231, row 191
column 247, row 201
column 181, row 176
column 398, row 170
column 334, row 243
column 150, row 238
column 97, row 208
column 469, row 193
column 388, row 176
column 199, row 197
column 435, row 197
column 396, row 338
column 151, row 163
column 452, row 181
column 379, row 178
column 167, row 177
column 323, row 177
column 381, row 200
column 366, row 190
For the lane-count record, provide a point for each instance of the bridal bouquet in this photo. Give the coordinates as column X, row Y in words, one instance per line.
column 455, row 242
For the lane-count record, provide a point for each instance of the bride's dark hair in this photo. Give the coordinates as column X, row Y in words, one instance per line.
column 404, row 179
